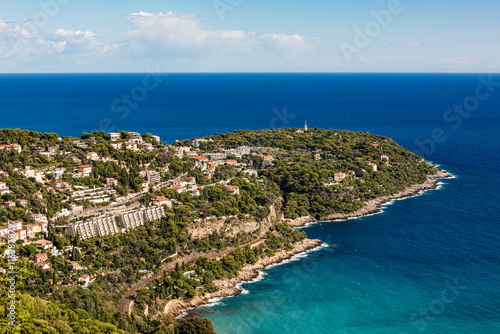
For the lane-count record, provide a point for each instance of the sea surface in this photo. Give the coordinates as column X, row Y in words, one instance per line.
column 426, row 264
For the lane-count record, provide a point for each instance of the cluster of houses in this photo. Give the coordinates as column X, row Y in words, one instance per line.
column 15, row 230
column 338, row 177
column 208, row 162
column 135, row 143
column 14, row 147
column 41, row 261
column 185, row 186
column 221, row 153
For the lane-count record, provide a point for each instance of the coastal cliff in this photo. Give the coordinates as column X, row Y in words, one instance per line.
column 232, row 225
column 227, row 287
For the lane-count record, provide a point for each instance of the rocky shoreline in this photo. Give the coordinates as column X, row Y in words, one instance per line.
column 227, row 287
column 374, row 205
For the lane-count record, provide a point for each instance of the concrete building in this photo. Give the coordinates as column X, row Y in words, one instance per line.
column 251, row 172
column 92, row 156
column 3, row 188
column 79, row 143
column 111, row 182
column 40, row 257
column 130, row 220
column 94, row 227
column 147, row 147
column 136, row 137
column 106, row 225
column 30, row 230
column 338, row 177
column 130, row 145
column 86, row 229
column 85, row 170
column 109, row 225
column 153, row 213
column 233, row 190
column 160, row 200
column 43, row 225
column 45, row 244
column 4, row 232
column 85, row 280
column 39, row 217
column 114, row 136
column 93, row 195
column 153, row 176
column 38, row 175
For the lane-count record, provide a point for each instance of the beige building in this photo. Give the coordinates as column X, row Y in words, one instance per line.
column 338, row 177
column 233, row 190
column 85, row 170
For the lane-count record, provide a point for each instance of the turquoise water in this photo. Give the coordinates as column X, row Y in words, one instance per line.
column 427, row 264
column 414, row 268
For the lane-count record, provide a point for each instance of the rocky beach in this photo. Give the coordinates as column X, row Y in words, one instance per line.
column 374, row 206
column 228, row 287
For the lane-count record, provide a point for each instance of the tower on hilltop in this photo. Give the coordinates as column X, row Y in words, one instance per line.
column 305, row 127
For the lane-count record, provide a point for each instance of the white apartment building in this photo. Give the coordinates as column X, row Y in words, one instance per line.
column 154, row 213
column 109, row 225
column 115, row 136
column 85, row 228
column 130, row 220
column 3, row 188
column 79, row 143
column 106, row 225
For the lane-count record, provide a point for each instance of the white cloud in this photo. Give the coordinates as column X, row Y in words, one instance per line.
column 77, row 41
column 183, row 32
column 173, row 40
column 20, row 44
column 25, row 49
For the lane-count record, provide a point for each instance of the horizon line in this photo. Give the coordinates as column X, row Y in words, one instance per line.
column 291, row 72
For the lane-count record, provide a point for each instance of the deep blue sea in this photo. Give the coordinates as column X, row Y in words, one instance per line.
column 427, row 264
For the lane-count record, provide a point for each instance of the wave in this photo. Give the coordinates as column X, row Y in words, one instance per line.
column 452, row 176
column 384, row 205
column 184, row 313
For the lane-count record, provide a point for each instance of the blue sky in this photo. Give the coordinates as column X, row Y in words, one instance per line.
column 249, row 36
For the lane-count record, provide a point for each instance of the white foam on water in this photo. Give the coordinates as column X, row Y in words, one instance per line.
column 184, row 313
